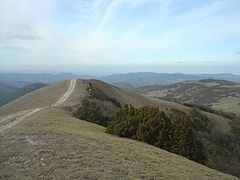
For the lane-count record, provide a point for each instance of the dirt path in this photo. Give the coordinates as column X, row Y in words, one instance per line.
column 17, row 119
column 8, row 118
column 67, row 94
column 14, row 119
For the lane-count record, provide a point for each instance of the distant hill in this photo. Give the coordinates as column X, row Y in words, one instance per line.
column 124, row 85
column 125, row 80
column 220, row 94
column 10, row 93
column 218, row 134
column 6, row 89
column 20, row 80
column 18, row 92
column 147, row 78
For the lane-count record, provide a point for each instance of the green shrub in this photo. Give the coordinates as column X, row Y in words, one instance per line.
column 152, row 126
column 98, row 94
column 199, row 121
column 91, row 112
column 235, row 126
column 227, row 115
column 210, row 164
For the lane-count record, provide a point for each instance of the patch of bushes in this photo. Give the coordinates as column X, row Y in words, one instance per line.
column 91, row 112
column 225, row 152
column 235, row 126
column 98, row 94
column 152, row 126
column 199, row 121
column 227, row 115
column 210, row 164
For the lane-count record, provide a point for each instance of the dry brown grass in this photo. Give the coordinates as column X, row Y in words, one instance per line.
column 230, row 104
column 53, row 144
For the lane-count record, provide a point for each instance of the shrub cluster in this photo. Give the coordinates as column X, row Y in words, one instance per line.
column 199, row 122
column 227, row 115
column 91, row 112
column 152, row 126
column 235, row 126
column 98, row 94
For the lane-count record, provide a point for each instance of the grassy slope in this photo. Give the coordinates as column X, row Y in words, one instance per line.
column 53, row 144
column 46, row 96
column 39, row 98
column 231, row 105
column 20, row 92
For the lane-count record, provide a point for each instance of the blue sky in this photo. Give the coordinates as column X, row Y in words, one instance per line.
column 107, row 36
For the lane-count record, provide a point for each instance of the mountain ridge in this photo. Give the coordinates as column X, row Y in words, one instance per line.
column 135, row 79
column 146, row 78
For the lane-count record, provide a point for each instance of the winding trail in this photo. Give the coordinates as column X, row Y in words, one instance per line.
column 67, row 94
column 19, row 116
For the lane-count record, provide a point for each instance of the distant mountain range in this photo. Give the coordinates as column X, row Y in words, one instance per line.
column 20, row 80
column 220, row 94
column 14, row 85
column 126, row 80
column 146, row 78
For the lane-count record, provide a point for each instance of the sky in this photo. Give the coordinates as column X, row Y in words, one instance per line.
column 114, row 36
